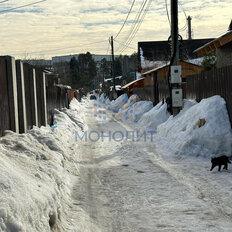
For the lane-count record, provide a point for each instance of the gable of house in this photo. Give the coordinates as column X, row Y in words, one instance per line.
column 223, row 47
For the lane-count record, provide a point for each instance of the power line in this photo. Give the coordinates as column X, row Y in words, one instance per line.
column 137, row 17
column 166, row 5
column 181, row 4
column 123, row 44
column 125, row 20
column 138, row 25
column 141, row 21
column 15, row 8
column 185, row 26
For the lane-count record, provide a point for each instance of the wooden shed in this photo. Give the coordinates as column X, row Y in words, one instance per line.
column 130, row 87
column 161, row 73
column 156, row 81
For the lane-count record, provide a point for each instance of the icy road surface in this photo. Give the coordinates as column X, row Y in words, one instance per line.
column 127, row 186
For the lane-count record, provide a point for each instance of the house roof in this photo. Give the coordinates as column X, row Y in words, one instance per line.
column 160, row 50
column 132, row 82
column 216, row 43
column 163, row 66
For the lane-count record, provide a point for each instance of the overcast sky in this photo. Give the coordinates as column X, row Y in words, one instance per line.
column 63, row 27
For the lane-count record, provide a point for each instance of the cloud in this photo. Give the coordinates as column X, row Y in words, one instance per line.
column 41, row 30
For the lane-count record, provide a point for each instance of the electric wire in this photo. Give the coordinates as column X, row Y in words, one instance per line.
column 138, row 26
column 125, row 19
column 122, row 44
column 141, row 21
column 181, row 4
column 137, row 17
column 19, row 7
column 185, row 26
column 166, row 5
column 167, row 12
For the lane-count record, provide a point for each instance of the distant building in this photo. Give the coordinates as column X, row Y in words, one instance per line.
column 161, row 50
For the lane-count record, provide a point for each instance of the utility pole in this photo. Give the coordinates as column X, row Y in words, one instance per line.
column 174, row 32
column 189, row 28
column 113, row 74
column 175, row 68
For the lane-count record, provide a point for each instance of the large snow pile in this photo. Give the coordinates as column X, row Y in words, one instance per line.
column 154, row 117
column 103, row 99
column 118, row 103
column 34, row 174
column 135, row 111
column 200, row 130
column 134, row 98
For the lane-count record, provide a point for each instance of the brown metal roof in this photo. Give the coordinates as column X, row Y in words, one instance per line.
column 163, row 66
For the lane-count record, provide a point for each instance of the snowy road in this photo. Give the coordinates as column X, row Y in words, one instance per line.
column 127, row 186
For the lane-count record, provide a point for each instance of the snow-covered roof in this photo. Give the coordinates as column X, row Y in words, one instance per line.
column 155, row 69
column 64, row 86
column 111, row 79
column 131, row 83
column 117, row 87
column 108, row 79
column 163, row 66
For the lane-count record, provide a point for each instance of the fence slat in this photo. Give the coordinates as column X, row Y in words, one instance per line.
column 214, row 82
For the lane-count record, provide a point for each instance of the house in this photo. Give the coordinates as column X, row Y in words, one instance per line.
column 155, row 86
column 156, row 51
column 223, row 47
column 132, row 87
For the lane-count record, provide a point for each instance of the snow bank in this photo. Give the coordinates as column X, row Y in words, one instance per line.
column 118, row 103
column 103, row 99
column 135, row 111
column 154, row 117
column 34, row 174
column 134, row 98
column 186, row 134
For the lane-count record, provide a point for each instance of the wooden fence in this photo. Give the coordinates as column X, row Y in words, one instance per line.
column 4, row 98
column 28, row 97
column 207, row 84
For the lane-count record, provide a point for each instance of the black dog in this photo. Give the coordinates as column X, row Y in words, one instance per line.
column 219, row 161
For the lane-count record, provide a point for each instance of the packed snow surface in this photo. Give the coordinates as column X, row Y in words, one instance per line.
column 118, row 103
